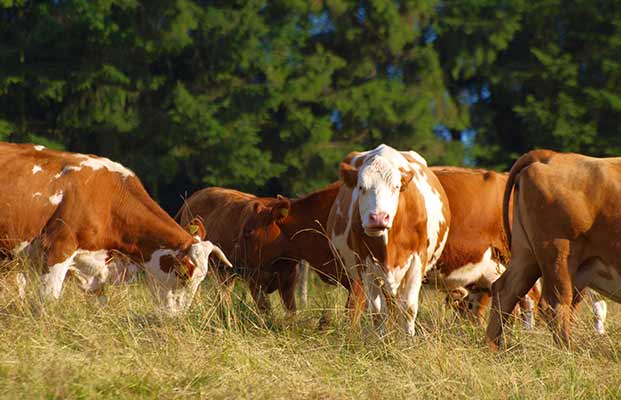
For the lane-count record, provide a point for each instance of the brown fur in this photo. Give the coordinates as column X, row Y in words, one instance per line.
column 566, row 216
column 100, row 209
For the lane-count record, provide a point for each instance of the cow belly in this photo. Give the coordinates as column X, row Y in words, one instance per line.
column 482, row 273
column 603, row 278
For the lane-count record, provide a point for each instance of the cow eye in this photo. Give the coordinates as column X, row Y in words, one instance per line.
column 397, row 187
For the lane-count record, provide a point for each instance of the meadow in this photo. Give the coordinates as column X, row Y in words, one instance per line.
column 77, row 348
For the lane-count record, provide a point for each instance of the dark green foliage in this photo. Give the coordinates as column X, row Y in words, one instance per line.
column 268, row 96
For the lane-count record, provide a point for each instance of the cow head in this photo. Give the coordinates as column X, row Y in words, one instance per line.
column 262, row 238
column 378, row 184
column 174, row 275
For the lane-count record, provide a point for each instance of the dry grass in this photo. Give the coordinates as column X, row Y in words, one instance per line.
column 126, row 349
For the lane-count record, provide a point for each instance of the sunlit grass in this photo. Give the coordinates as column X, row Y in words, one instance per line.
column 127, row 349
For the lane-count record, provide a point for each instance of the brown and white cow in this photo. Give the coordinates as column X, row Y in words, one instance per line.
column 565, row 223
column 389, row 222
column 476, row 251
column 267, row 237
column 81, row 209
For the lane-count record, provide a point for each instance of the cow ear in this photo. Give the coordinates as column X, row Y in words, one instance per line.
column 184, row 268
column 349, row 174
column 280, row 210
column 406, row 177
column 196, row 228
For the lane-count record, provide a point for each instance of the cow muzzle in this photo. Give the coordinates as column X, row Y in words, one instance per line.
column 378, row 224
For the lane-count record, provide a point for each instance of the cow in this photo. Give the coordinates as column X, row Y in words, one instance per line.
column 389, row 223
column 79, row 210
column 226, row 214
column 267, row 237
column 476, row 251
column 565, row 223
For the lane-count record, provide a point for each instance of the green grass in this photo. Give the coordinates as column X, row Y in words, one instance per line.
column 77, row 349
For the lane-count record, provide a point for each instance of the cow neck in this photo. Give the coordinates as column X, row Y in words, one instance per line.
column 146, row 227
column 306, row 225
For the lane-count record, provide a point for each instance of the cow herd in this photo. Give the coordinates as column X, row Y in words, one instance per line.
column 536, row 238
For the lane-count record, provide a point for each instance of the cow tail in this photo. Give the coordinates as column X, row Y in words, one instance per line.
column 523, row 162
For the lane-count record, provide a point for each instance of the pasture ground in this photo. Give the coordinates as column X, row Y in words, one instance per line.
column 76, row 348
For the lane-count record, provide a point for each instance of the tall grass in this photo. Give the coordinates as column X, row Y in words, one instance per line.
column 77, row 348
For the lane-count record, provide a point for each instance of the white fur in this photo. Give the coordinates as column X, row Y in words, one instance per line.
column 435, row 217
column 36, row 168
column 56, row 198
column 528, row 314
column 38, row 147
column 95, row 163
column 484, row 273
column 20, row 247
column 379, row 184
column 176, row 295
column 409, row 293
column 36, row 194
column 89, row 267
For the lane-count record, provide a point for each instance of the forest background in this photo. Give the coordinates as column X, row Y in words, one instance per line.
column 268, row 96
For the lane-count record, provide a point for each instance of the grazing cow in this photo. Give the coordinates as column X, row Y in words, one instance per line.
column 226, row 214
column 266, row 237
column 389, row 223
column 80, row 210
column 565, row 223
column 476, row 250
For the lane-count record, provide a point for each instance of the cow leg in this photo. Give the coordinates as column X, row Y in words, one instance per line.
column 356, row 300
column 558, row 289
column 527, row 312
column 59, row 259
column 600, row 309
column 409, row 292
column 287, row 283
column 376, row 302
column 477, row 304
column 260, row 298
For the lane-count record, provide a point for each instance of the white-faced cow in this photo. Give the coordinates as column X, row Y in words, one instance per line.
column 566, row 221
column 389, row 223
column 81, row 210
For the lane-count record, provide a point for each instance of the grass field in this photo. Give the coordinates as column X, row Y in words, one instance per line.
column 76, row 348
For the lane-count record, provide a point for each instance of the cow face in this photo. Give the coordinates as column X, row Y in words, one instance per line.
column 262, row 238
column 174, row 275
column 377, row 186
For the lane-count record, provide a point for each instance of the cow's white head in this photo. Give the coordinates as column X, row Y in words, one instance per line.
column 378, row 184
column 174, row 275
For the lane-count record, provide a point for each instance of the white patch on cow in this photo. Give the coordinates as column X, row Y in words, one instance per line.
column 528, row 313
column 37, row 194
column 176, row 295
column 418, row 157
column 56, row 198
column 89, row 267
column 409, row 294
column 20, row 247
column 482, row 273
column 36, row 168
column 22, row 283
column 395, row 276
column 376, row 302
column 339, row 242
column 435, row 217
column 38, row 147
column 95, row 163
column 600, row 310
column 52, row 282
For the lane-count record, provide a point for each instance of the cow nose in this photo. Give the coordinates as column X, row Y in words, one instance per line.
column 379, row 218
